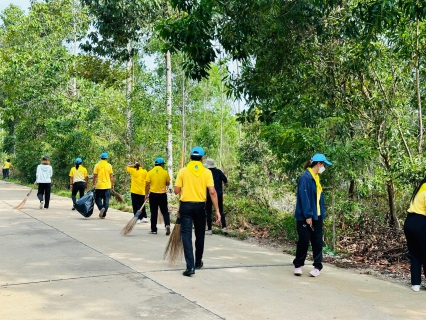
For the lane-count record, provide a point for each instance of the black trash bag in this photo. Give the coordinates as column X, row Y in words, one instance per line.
column 85, row 204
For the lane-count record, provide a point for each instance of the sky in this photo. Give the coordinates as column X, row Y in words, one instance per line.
column 24, row 4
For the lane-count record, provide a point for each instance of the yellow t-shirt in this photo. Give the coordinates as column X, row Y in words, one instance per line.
column 103, row 169
column 419, row 203
column 6, row 165
column 78, row 175
column 137, row 185
column 158, row 179
column 194, row 179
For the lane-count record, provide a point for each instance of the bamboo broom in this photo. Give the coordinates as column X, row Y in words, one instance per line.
column 118, row 196
column 174, row 249
column 19, row 206
column 131, row 224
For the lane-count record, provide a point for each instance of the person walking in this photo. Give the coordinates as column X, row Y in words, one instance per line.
column 310, row 214
column 6, row 167
column 103, row 182
column 157, row 181
column 78, row 180
column 137, row 189
column 192, row 181
column 218, row 178
column 414, row 229
column 43, row 180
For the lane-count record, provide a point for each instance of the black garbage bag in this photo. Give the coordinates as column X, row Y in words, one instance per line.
column 85, row 204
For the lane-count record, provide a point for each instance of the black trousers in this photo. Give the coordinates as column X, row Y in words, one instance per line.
column 5, row 173
column 306, row 235
column 77, row 187
column 137, row 202
column 44, row 190
column 414, row 229
column 209, row 211
column 102, row 197
column 192, row 213
column 158, row 200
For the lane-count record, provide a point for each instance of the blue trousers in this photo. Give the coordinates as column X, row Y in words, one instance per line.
column 102, row 197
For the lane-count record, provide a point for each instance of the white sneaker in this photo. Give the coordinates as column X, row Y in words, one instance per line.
column 145, row 220
column 224, row 230
column 138, row 221
column 416, row 288
column 298, row 271
column 41, row 205
column 101, row 213
column 315, row 273
column 209, row 232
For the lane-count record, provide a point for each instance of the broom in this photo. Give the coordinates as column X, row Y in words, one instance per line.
column 19, row 206
column 174, row 249
column 160, row 218
column 118, row 196
column 131, row 224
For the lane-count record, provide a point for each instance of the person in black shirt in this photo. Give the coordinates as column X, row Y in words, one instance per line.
column 218, row 178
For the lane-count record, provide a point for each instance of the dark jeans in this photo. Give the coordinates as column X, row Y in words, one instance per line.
column 209, row 211
column 192, row 213
column 414, row 229
column 315, row 237
column 102, row 197
column 158, row 200
column 77, row 187
column 137, row 202
column 44, row 190
column 5, row 173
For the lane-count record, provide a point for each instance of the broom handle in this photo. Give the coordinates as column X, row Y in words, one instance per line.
column 143, row 205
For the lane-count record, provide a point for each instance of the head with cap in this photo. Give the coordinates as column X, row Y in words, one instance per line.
column 209, row 163
column 8, row 160
column 159, row 162
column 104, row 156
column 197, row 154
column 317, row 163
column 78, row 161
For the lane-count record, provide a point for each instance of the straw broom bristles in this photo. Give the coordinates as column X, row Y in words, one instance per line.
column 19, row 206
column 118, row 196
column 160, row 218
column 174, row 249
column 131, row 224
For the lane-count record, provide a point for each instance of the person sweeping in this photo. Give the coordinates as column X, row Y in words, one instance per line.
column 6, row 168
column 103, row 181
column 78, row 180
column 192, row 181
column 310, row 214
column 157, row 181
column 137, row 189
column 43, row 180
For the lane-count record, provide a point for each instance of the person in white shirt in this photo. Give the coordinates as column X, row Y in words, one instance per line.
column 43, row 179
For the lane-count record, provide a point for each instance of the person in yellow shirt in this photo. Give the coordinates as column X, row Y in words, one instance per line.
column 103, row 181
column 414, row 229
column 137, row 189
column 78, row 180
column 6, row 167
column 157, row 181
column 192, row 182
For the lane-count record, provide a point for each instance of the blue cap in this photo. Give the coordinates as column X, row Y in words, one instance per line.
column 197, row 151
column 104, row 155
column 319, row 157
column 78, row 160
column 159, row 161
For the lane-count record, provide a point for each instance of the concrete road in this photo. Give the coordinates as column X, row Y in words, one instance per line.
column 55, row 264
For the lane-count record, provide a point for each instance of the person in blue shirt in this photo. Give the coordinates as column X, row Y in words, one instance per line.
column 310, row 214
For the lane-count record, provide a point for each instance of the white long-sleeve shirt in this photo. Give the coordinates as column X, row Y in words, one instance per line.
column 44, row 173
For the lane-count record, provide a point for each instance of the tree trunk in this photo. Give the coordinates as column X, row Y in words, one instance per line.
column 393, row 223
column 419, row 98
column 169, row 116
column 129, row 113
column 182, row 160
column 351, row 191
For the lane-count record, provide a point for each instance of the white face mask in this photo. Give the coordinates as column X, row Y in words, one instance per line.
column 321, row 170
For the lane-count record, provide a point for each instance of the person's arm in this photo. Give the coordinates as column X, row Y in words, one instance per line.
column 71, row 182
column 307, row 211
column 147, row 186
column 176, row 190
column 95, row 180
column 213, row 197
column 111, row 177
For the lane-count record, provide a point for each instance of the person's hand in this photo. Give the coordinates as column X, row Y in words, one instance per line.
column 146, row 197
column 309, row 222
column 217, row 217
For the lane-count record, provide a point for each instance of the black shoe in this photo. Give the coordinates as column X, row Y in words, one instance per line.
column 199, row 264
column 188, row 272
column 73, row 208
